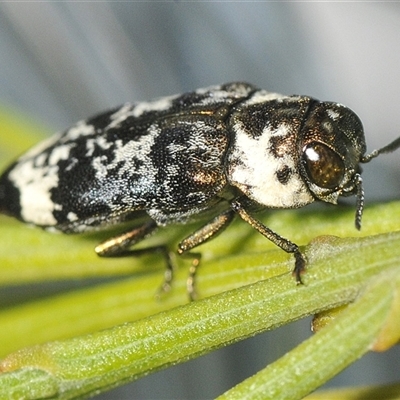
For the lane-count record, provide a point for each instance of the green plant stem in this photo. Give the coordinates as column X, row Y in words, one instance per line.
column 339, row 269
column 326, row 353
column 259, row 293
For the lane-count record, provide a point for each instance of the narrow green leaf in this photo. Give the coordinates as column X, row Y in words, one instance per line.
column 248, row 279
column 339, row 269
column 328, row 352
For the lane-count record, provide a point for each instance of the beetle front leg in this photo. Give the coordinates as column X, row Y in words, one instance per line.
column 278, row 240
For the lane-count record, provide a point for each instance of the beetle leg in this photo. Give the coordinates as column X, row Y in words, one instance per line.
column 118, row 246
column 203, row 234
column 278, row 240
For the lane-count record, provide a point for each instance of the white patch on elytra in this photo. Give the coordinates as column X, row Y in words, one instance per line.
column 72, row 162
column 215, row 94
column 99, row 164
column 236, row 90
column 127, row 156
column 175, row 149
column 35, row 175
column 60, row 153
column 252, row 167
column 137, row 150
column 162, row 104
column 97, row 141
column 120, row 116
column 80, row 129
column 212, row 88
column 34, row 185
column 138, row 109
column 40, row 160
column 262, row 96
column 72, row 216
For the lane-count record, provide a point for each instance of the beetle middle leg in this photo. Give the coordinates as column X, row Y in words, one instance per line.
column 119, row 246
column 203, row 234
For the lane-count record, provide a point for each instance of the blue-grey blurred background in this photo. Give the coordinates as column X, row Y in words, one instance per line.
column 61, row 62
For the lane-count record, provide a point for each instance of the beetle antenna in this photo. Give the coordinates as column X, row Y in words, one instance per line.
column 358, row 180
column 359, row 200
column 386, row 149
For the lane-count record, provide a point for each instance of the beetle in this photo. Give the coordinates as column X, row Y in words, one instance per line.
column 213, row 153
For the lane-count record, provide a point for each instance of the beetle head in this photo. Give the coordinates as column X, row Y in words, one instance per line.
column 332, row 148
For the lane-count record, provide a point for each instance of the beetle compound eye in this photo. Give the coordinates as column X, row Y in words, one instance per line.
column 324, row 167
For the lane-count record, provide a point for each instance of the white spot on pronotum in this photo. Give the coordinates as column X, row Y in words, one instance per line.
column 334, row 115
column 253, row 168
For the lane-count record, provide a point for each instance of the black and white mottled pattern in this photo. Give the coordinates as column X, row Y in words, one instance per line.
column 165, row 156
column 263, row 160
column 220, row 150
column 172, row 157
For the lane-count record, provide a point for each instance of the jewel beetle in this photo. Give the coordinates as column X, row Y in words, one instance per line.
column 210, row 154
